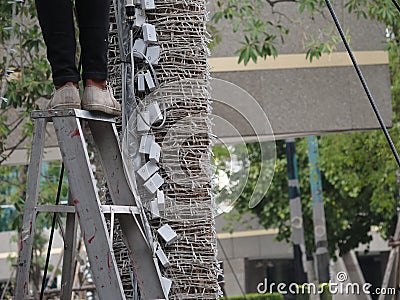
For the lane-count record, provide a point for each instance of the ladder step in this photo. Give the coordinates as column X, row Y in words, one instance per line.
column 55, row 208
column 81, row 114
column 106, row 209
column 119, row 209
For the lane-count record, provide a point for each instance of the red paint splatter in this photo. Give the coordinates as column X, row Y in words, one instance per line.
column 97, row 257
column 76, row 201
column 78, row 214
column 101, row 268
column 84, row 235
column 25, row 287
column 102, row 285
column 75, row 133
column 108, row 261
column 91, row 239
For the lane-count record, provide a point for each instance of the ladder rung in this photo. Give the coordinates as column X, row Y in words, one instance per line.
column 55, row 208
column 82, row 114
column 119, row 209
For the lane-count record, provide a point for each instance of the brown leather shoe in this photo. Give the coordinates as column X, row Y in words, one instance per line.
column 96, row 99
column 65, row 97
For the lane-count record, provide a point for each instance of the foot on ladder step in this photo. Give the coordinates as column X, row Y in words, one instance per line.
column 97, row 99
column 93, row 99
column 65, row 97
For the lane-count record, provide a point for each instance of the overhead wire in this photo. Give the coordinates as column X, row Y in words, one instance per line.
column 363, row 82
column 53, row 225
column 232, row 269
column 132, row 68
column 396, row 4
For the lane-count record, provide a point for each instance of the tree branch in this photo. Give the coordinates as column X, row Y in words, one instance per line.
column 18, row 121
column 273, row 2
column 12, row 149
column 4, row 111
column 281, row 14
column 9, row 182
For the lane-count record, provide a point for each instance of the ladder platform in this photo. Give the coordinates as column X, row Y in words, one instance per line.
column 49, row 114
column 107, row 209
column 119, row 209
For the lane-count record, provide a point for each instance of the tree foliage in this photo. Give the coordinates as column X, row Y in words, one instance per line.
column 25, row 71
column 25, row 77
column 358, row 170
column 263, row 25
column 13, row 194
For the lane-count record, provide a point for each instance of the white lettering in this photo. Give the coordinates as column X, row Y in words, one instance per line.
column 270, row 287
column 311, row 288
column 352, row 289
column 366, row 288
column 281, row 288
column 321, row 288
column 260, row 285
column 333, row 288
column 296, row 288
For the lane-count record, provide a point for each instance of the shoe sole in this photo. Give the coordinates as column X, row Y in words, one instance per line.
column 65, row 106
column 102, row 108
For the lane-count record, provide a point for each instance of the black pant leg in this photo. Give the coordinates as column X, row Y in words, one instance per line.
column 93, row 19
column 56, row 21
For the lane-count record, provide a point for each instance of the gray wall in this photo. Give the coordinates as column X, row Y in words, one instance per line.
column 301, row 102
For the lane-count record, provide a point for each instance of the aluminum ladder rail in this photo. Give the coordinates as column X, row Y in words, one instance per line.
column 85, row 208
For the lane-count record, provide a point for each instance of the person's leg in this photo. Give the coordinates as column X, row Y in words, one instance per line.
column 56, row 21
column 93, row 19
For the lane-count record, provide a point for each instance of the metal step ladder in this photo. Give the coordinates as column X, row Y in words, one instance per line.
column 85, row 208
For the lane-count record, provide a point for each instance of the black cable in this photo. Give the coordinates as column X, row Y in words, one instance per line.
column 396, row 4
column 233, row 271
column 364, row 83
column 53, row 225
